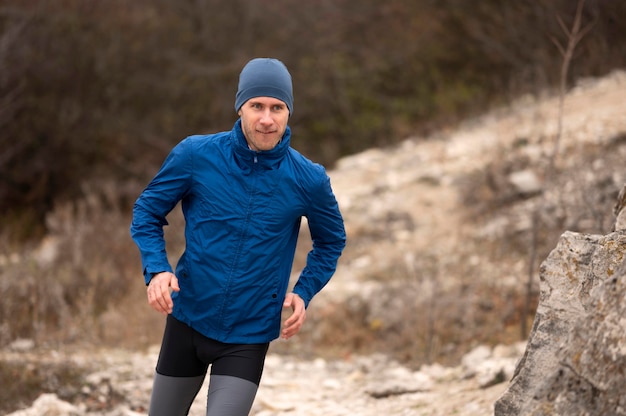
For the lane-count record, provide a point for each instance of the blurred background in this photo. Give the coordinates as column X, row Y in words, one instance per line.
column 94, row 94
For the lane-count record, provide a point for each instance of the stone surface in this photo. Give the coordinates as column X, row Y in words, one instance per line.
column 619, row 211
column 575, row 361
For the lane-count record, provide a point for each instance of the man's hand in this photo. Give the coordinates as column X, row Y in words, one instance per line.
column 292, row 325
column 159, row 292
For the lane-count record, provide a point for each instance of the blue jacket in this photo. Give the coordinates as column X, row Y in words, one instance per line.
column 242, row 213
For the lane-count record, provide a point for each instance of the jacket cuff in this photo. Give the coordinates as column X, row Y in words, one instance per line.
column 149, row 272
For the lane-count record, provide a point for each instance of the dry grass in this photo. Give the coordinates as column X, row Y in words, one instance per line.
column 82, row 284
column 24, row 382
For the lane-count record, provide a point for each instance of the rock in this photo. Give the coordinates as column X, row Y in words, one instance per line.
column 591, row 376
column 525, row 182
column 489, row 366
column 398, row 380
column 49, row 405
column 619, row 211
column 22, row 344
column 576, row 355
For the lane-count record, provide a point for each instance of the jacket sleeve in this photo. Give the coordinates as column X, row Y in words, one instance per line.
column 161, row 195
column 329, row 239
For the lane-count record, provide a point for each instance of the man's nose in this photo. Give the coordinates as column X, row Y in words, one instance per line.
column 266, row 117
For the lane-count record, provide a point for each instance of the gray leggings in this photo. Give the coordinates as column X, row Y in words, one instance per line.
column 184, row 360
column 228, row 395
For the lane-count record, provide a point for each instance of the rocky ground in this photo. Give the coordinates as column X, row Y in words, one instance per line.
column 117, row 383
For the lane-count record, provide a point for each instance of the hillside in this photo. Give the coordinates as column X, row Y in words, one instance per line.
column 440, row 229
column 436, row 267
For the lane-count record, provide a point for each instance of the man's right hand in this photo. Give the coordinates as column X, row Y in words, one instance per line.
column 159, row 292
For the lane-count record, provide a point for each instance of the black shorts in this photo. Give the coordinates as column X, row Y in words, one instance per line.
column 187, row 353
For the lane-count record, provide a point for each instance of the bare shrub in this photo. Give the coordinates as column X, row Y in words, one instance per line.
column 431, row 312
column 22, row 383
column 81, row 283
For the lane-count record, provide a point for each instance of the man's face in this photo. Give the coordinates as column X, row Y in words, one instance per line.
column 264, row 121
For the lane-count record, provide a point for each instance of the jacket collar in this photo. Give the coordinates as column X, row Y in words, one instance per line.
column 268, row 159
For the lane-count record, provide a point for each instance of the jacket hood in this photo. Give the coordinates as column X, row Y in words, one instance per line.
column 267, row 159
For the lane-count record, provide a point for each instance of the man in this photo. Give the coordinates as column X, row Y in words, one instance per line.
column 243, row 195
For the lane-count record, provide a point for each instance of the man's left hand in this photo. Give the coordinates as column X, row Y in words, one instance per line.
column 293, row 324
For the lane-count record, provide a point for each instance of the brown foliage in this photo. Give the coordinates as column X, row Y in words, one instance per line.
column 106, row 88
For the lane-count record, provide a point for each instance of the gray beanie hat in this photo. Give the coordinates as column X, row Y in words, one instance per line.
column 265, row 77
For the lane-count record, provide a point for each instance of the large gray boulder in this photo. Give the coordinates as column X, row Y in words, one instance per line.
column 575, row 360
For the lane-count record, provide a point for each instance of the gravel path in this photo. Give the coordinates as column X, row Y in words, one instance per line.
column 118, row 383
